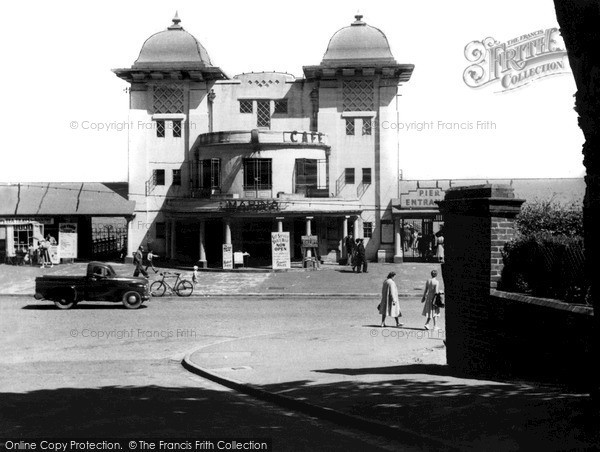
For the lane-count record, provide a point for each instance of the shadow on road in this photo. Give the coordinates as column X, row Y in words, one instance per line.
column 84, row 306
column 472, row 414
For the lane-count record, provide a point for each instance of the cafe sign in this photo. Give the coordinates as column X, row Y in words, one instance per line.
column 421, row 198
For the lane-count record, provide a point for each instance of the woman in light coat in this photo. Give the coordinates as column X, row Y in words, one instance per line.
column 432, row 287
column 389, row 305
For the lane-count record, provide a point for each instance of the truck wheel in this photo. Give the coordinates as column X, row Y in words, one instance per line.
column 132, row 300
column 66, row 300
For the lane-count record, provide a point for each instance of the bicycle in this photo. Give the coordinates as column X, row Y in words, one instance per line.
column 182, row 287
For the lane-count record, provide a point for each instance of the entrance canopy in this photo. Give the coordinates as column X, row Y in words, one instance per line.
column 42, row 199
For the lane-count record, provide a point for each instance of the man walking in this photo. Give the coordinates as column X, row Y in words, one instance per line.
column 138, row 257
column 149, row 258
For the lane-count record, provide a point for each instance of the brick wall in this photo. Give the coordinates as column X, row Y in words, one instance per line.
column 488, row 331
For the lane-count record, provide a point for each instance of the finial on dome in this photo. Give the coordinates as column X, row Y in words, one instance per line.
column 176, row 21
column 358, row 18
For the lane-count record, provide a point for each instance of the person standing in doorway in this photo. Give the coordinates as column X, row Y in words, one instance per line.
column 406, row 238
column 389, row 305
column 432, row 288
column 414, row 243
column 149, row 260
column 138, row 258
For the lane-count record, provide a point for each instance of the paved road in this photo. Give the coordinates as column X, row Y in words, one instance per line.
column 102, row 370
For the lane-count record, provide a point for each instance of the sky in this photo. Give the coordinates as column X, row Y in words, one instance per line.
column 57, row 76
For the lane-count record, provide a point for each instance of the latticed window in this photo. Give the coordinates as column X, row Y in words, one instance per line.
column 211, row 173
column 168, row 99
column 358, row 95
column 160, row 129
column 246, row 106
column 257, row 174
column 263, row 113
column 366, row 126
column 367, row 229
column 176, row 177
column 366, row 175
column 177, row 128
column 281, row 106
column 159, row 177
column 349, row 126
column 349, row 175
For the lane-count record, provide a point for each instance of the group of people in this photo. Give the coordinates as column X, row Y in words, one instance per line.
column 356, row 254
column 138, row 261
column 430, row 246
column 389, row 305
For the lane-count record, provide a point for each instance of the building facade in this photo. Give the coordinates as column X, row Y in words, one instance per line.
column 219, row 160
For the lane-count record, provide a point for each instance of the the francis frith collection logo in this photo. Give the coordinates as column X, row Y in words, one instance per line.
column 517, row 62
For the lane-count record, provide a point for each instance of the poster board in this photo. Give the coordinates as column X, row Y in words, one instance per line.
column 280, row 250
column 227, row 256
column 54, row 254
column 67, row 241
column 310, row 241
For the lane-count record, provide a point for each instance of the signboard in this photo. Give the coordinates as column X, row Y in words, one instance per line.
column 227, row 256
column 304, row 137
column 249, row 205
column 41, row 220
column 421, row 198
column 280, row 250
column 387, row 231
column 67, row 240
column 310, row 241
column 54, row 256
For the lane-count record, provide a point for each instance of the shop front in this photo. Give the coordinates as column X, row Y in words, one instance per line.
column 69, row 215
column 197, row 229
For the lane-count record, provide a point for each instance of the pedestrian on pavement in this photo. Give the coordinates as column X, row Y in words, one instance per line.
column 123, row 253
column 137, row 261
column 195, row 275
column 361, row 258
column 44, row 250
column 350, row 248
column 389, row 305
column 432, row 288
column 439, row 241
column 149, row 257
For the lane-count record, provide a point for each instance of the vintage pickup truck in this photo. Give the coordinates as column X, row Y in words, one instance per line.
column 101, row 283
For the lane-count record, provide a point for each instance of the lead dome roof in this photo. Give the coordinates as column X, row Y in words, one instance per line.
column 358, row 42
column 172, row 47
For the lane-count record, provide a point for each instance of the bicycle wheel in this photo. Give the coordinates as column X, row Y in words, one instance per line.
column 158, row 288
column 184, row 288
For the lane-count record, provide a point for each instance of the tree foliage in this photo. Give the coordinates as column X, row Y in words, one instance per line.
column 551, row 217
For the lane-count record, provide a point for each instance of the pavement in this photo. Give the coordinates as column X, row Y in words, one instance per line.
column 388, row 381
column 330, row 280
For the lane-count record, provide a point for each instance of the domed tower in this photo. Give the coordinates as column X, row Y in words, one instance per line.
column 170, row 105
column 355, row 102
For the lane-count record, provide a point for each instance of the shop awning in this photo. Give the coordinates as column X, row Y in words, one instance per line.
column 40, row 199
